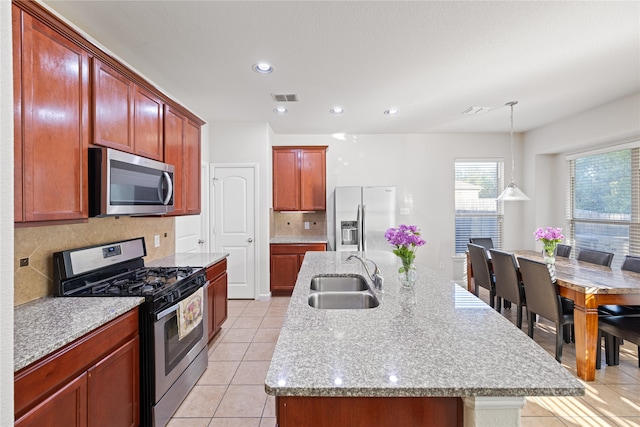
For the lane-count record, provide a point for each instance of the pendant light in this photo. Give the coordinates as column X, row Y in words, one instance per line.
column 512, row 193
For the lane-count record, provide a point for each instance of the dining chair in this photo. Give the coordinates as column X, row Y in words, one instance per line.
column 595, row 257
column 543, row 299
column 486, row 242
column 630, row 263
column 563, row 250
column 508, row 281
column 481, row 274
column 615, row 329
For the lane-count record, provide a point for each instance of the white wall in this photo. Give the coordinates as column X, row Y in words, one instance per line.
column 422, row 169
column 545, row 148
column 249, row 143
column 6, row 216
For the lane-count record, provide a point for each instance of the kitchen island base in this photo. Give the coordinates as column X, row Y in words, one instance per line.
column 297, row 411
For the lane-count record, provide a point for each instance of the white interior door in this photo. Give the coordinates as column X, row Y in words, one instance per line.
column 191, row 230
column 234, row 226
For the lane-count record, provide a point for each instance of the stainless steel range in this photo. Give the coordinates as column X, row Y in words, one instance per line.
column 173, row 343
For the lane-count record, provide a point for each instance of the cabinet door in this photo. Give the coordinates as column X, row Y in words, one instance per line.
column 147, row 134
column 65, row 408
column 173, row 141
column 55, row 103
column 284, row 272
column 114, row 387
column 286, row 180
column 313, row 180
column 113, row 108
column 211, row 323
column 191, row 165
column 220, row 301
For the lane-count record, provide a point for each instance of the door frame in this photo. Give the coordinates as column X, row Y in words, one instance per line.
column 256, row 220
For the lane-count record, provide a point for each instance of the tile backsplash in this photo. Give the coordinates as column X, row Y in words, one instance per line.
column 285, row 224
column 39, row 243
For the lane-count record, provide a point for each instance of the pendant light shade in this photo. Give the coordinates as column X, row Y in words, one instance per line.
column 512, row 193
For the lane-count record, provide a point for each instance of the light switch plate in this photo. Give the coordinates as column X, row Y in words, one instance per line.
column 156, row 240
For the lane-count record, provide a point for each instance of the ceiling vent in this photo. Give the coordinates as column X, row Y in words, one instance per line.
column 284, row 97
column 476, row 110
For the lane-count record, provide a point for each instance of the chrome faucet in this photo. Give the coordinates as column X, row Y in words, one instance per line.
column 376, row 278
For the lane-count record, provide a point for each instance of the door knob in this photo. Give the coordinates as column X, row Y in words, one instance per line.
column 200, row 241
column 249, row 240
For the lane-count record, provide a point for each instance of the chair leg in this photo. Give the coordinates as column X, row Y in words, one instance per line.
column 492, row 297
column 612, row 349
column 559, row 339
column 599, row 351
column 519, row 321
column 531, row 322
column 498, row 304
column 566, row 331
column 507, row 304
column 639, row 356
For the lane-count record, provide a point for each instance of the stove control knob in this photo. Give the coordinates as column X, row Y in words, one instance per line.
column 168, row 297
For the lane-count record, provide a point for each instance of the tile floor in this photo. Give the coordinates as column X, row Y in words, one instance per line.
column 231, row 391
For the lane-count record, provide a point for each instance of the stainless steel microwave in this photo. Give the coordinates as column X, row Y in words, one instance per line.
column 125, row 184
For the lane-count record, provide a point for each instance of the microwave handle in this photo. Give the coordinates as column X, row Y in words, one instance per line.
column 167, row 178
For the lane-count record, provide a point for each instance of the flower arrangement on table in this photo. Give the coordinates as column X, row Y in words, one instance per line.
column 550, row 237
column 406, row 239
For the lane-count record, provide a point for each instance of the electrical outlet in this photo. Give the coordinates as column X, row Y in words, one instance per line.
column 441, row 265
column 156, row 240
column 24, row 262
column 306, row 225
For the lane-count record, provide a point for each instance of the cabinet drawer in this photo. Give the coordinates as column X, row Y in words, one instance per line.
column 217, row 269
column 298, row 249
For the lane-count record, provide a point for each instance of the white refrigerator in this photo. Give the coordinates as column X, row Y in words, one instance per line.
column 363, row 215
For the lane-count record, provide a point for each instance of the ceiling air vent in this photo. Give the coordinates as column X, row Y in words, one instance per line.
column 284, row 97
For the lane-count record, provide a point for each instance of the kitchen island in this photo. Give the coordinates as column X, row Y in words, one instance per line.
column 435, row 354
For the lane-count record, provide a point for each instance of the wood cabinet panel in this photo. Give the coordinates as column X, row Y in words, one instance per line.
column 299, row 178
column 66, row 407
column 286, row 260
column 286, row 180
column 313, row 195
column 112, row 108
column 53, row 128
column 182, row 150
column 16, row 27
column 148, row 117
column 217, row 297
column 293, row 411
column 113, row 383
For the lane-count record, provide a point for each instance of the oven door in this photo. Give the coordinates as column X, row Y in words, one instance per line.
column 172, row 355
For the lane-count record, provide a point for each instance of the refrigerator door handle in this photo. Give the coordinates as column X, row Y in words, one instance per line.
column 364, row 232
column 359, row 222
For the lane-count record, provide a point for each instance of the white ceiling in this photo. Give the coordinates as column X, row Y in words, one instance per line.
column 430, row 59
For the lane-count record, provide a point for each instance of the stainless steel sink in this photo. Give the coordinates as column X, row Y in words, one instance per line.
column 343, row 300
column 339, row 283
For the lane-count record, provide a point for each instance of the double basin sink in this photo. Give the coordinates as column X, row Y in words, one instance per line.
column 346, row 292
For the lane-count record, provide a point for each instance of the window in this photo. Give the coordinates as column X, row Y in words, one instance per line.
column 478, row 213
column 603, row 204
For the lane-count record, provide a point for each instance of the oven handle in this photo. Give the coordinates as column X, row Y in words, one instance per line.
column 167, row 311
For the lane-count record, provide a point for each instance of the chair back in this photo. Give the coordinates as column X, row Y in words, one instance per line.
column 505, row 270
column 486, row 242
column 631, row 263
column 563, row 250
column 542, row 294
column 480, row 265
column 595, row 257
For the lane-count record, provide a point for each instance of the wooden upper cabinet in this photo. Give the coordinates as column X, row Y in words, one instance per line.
column 126, row 116
column 182, row 150
column 51, row 107
column 299, row 178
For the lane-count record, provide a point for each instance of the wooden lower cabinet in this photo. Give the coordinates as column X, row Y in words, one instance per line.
column 216, row 297
column 286, row 260
column 295, row 411
column 93, row 381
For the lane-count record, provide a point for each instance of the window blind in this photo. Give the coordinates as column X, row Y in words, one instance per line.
column 478, row 214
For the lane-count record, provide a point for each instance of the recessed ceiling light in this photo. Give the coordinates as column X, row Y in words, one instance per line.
column 280, row 110
column 336, row 110
column 391, row 111
column 262, row 68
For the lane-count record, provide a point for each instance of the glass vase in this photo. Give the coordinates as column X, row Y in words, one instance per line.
column 408, row 275
column 549, row 257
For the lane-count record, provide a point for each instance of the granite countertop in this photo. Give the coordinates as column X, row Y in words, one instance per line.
column 435, row 340
column 283, row 240
column 188, row 259
column 47, row 324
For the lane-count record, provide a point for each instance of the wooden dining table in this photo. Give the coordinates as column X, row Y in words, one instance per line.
column 588, row 285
